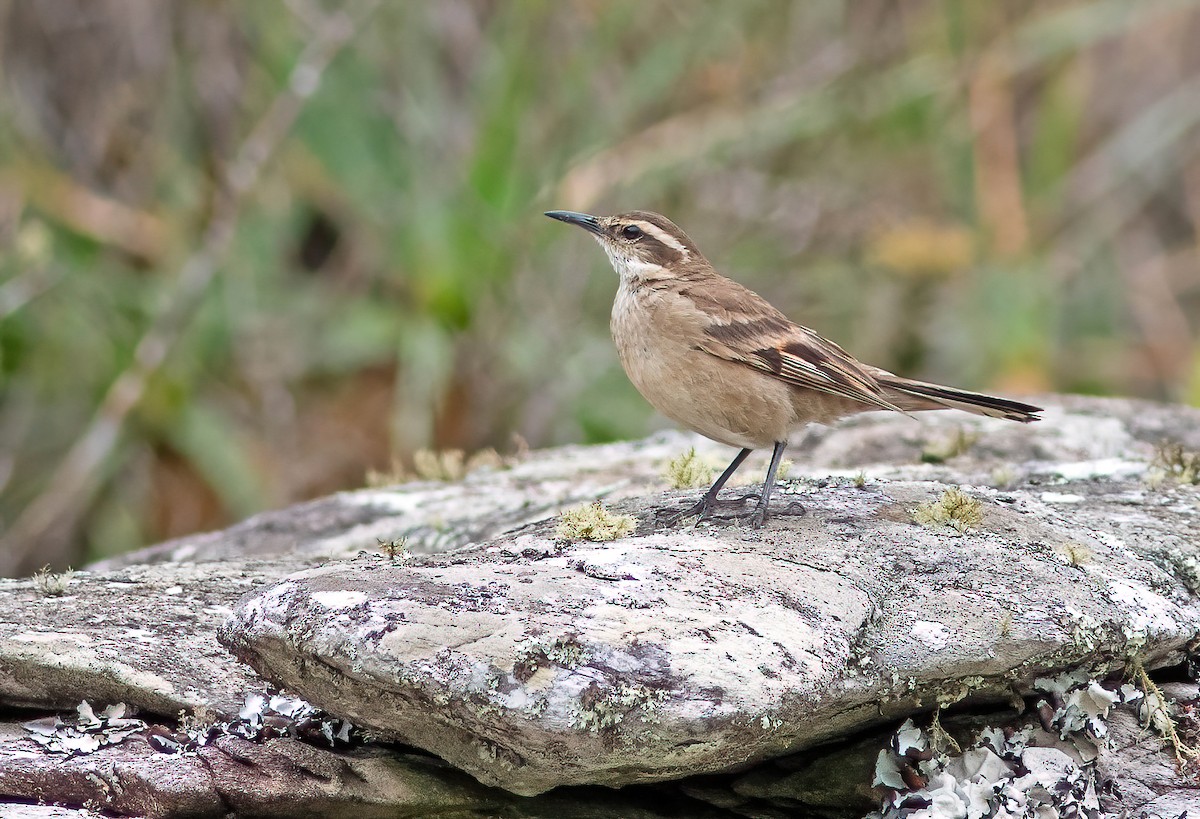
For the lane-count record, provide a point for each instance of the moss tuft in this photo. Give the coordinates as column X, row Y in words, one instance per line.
column 688, row 471
column 51, row 584
column 435, row 465
column 393, row 547
column 1074, row 553
column 593, row 522
column 1173, row 461
column 954, row 508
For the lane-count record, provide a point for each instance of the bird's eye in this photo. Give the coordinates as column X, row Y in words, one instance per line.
column 631, row 232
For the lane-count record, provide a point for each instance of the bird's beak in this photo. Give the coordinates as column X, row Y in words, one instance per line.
column 588, row 223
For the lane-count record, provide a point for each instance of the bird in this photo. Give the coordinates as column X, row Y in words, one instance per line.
column 714, row 356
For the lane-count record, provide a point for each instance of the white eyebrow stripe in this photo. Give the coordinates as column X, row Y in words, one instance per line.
column 662, row 236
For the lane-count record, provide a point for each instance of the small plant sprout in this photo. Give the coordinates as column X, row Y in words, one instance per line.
column 393, row 547
column 785, row 469
column 593, row 522
column 860, row 480
column 1172, row 461
column 954, row 508
column 688, row 471
column 51, row 584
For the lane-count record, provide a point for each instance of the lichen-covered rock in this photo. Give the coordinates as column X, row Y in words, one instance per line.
column 532, row 662
column 141, row 635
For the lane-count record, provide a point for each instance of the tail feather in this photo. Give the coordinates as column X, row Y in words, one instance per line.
column 919, row 395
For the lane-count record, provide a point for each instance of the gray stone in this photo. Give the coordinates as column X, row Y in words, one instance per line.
column 434, row 516
column 284, row 777
column 1101, row 434
column 1147, row 777
column 142, row 635
column 145, row 634
column 534, row 663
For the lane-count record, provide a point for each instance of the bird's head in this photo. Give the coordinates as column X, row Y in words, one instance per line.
column 640, row 244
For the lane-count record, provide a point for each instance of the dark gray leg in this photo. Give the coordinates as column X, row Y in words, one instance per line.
column 708, row 502
column 759, row 517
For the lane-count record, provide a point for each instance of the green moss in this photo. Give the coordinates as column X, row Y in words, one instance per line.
column 447, row 465
column 1175, row 463
column 688, row 471
column 593, row 522
column 954, row 508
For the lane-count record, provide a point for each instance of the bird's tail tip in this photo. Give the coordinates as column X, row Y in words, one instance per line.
column 973, row 402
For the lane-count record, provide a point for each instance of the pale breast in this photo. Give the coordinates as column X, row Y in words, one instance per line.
column 722, row 400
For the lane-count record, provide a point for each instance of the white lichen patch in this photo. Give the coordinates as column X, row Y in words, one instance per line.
column 599, row 710
column 934, row 636
column 1061, row 497
column 536, row 658
column 1086, row 632
column 1101, row 468
column 1005, row 773
column 53, row 637
column 339, row 599
column 1146, row 610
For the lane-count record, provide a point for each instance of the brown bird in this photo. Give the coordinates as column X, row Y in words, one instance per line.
column 717, row 358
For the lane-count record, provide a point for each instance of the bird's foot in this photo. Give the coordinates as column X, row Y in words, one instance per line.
column 750, row 509
column 706, row 507
column 747, row 508
column 700, row 510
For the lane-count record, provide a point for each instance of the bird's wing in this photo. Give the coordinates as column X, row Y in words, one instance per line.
column 738, row 325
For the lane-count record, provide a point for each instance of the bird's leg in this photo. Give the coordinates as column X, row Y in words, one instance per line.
column 759, row 516
column 753, row 507
column 708, row 502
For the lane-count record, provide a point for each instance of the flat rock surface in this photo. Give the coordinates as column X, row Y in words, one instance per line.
column 435, row 516
column 142, row 635
column 532, row 663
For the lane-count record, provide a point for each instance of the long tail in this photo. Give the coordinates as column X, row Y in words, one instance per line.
column 915, row 396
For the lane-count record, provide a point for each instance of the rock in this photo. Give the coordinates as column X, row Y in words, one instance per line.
column 141, row 629
column 284, row 777
column 533, row 663
column 434, row 516
column 1143, row 768
column 18, row 810
column 142, row 635
column 1089, row 434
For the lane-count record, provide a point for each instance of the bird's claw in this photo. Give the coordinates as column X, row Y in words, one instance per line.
column 747, row 508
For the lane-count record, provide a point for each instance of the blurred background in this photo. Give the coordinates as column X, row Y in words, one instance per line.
column 250, row 251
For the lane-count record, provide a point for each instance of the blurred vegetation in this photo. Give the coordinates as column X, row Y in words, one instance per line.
column 998, row 195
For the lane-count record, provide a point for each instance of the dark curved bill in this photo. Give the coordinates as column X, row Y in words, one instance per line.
column 585, row 221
